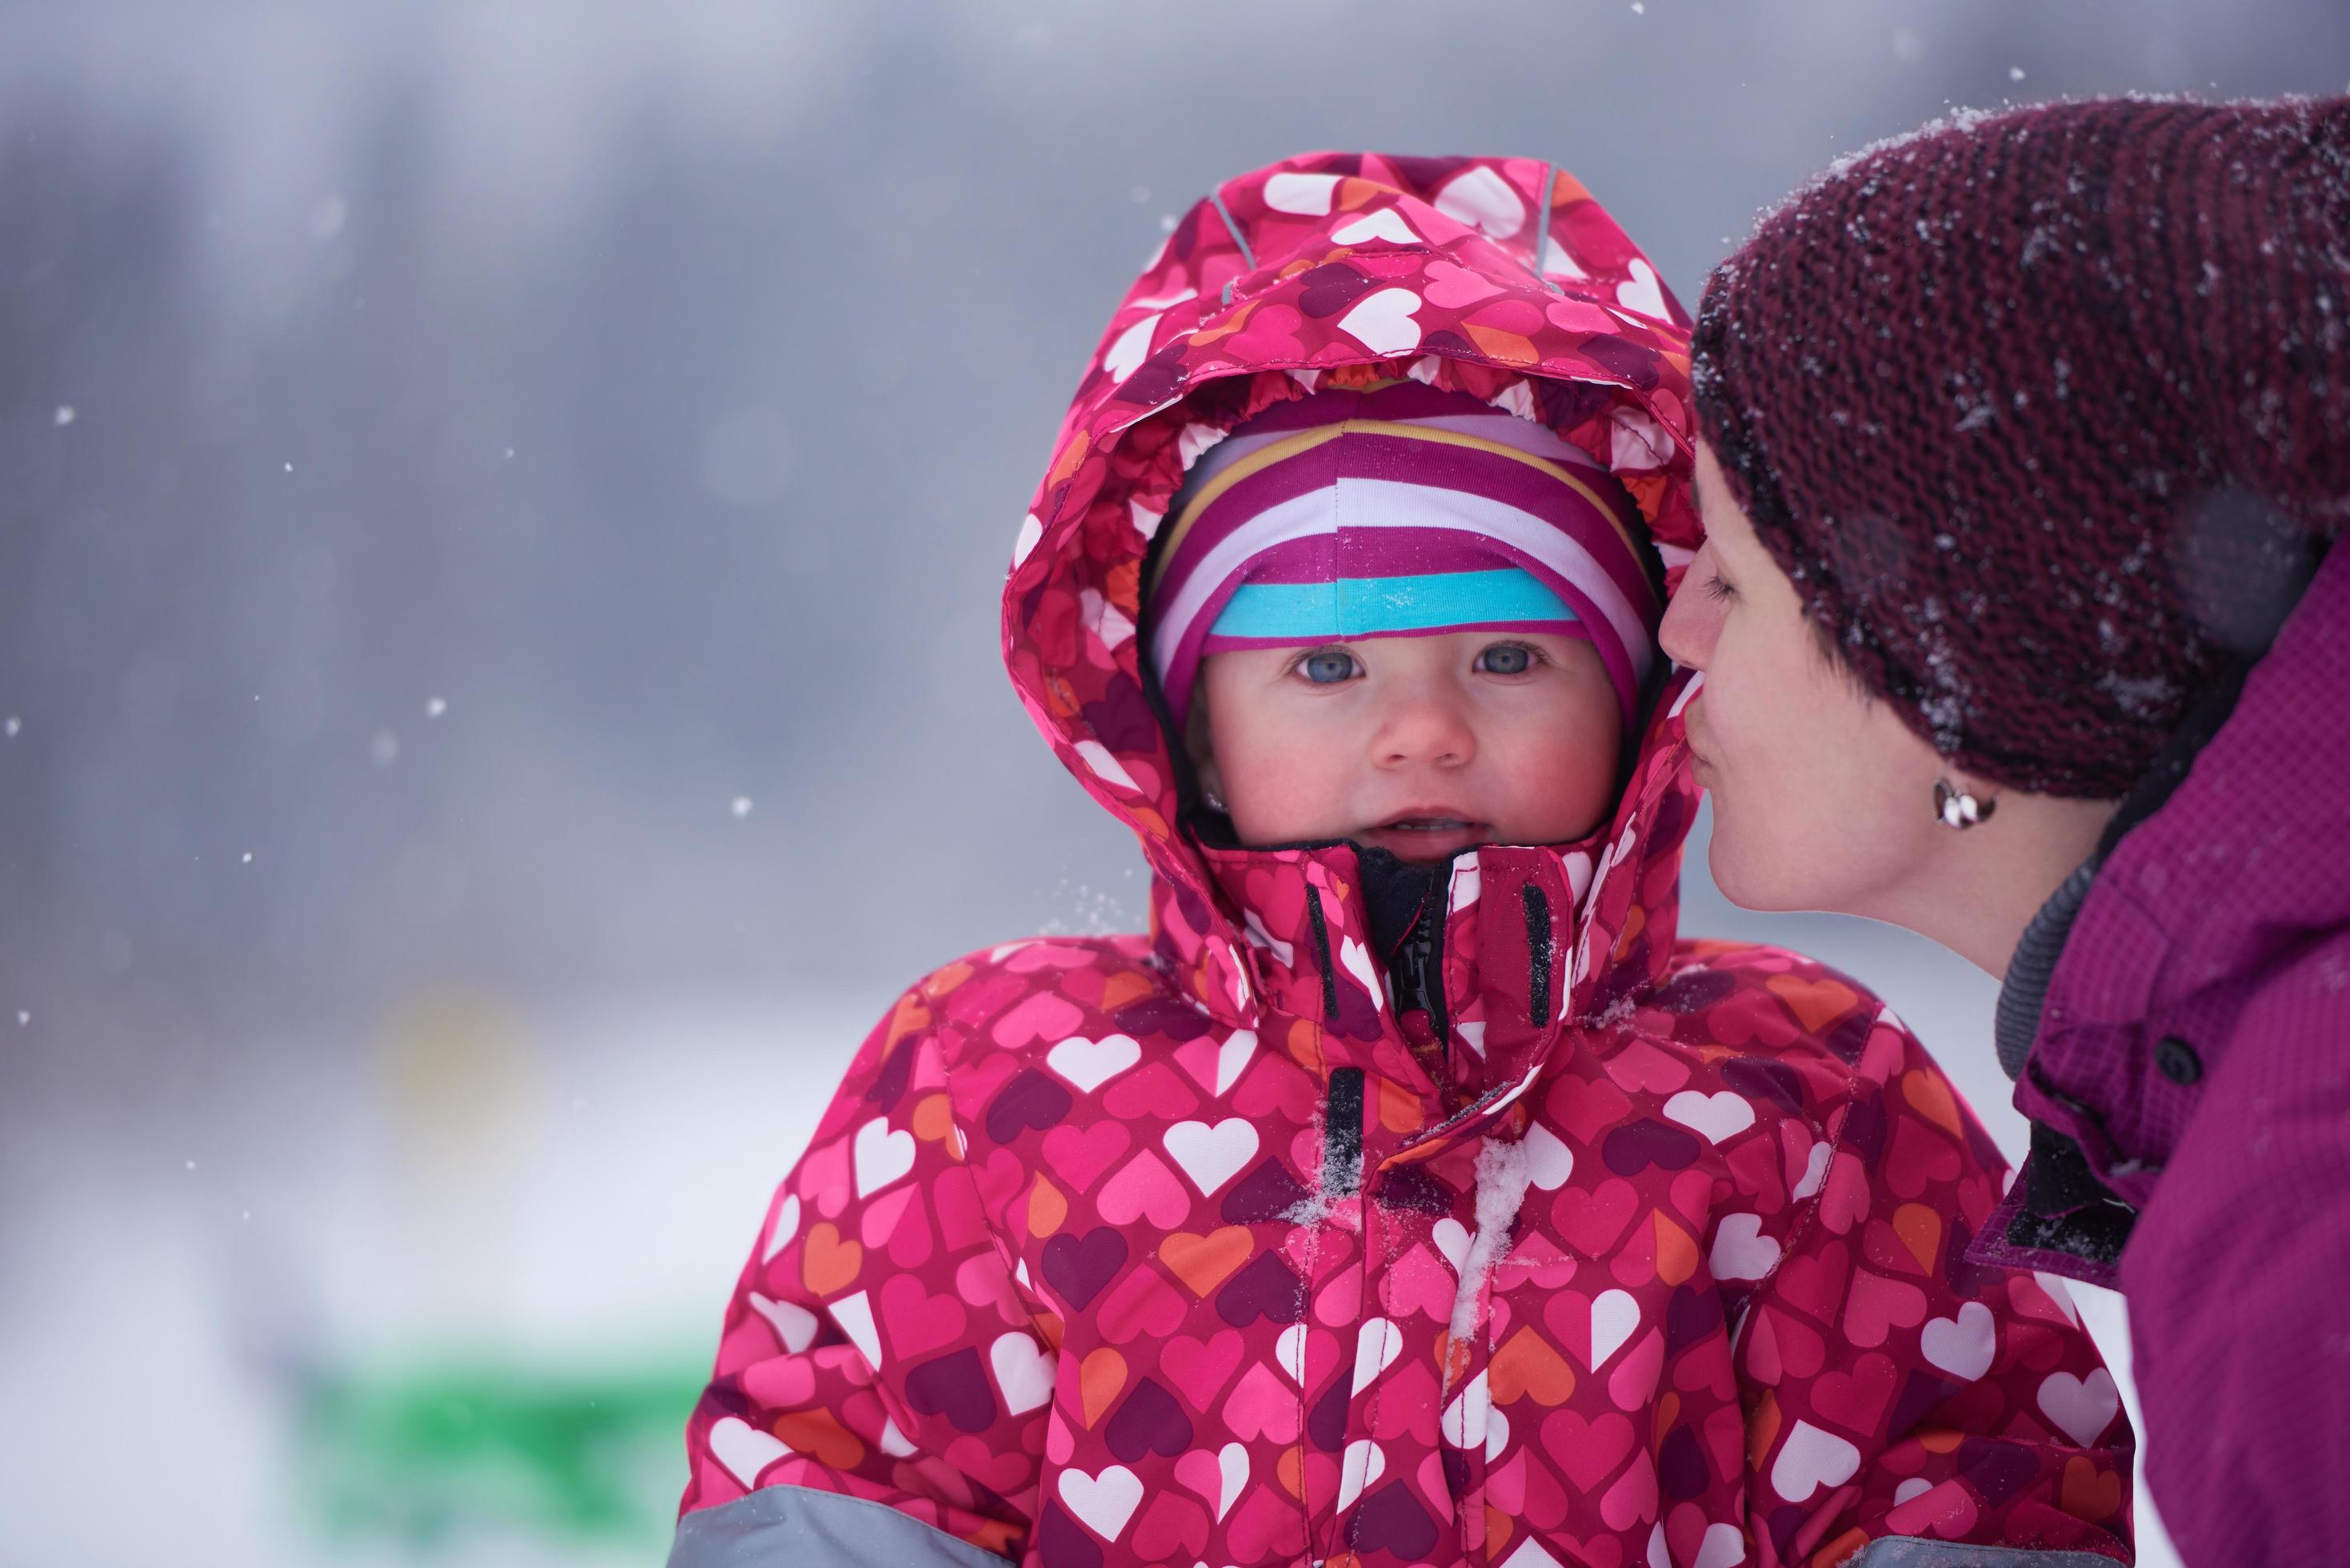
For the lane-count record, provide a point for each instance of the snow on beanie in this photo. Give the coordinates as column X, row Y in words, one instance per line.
column 1392, row 512
column 2044, row 413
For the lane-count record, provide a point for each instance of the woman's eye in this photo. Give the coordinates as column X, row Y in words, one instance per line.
column 1329, row 667
column 1718, row 586
column 1506, row 659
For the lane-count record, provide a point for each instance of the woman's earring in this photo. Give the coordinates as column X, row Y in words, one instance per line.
column 1212, row 800
column 1955, row 807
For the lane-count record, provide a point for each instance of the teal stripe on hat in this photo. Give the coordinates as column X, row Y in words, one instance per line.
column 1369, row 607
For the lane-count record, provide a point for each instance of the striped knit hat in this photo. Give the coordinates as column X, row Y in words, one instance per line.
column 1394, row 511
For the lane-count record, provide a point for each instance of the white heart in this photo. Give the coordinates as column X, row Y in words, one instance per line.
column 1032, row 528
column 1642, row 292
column 1387, row 223
column 1306, row 195
column 1914, row 1486
column 2055, row 1286
column 1382, row 322
column 854, row 1313
column 895, row 1443
column 1473, row 1035
column 2083, row 1407
column 1376, row 1348
column 1465, row 1418
column 1356, row 961
column 1810, row 1460
column 1962, row 1346
column 1637, row 443
column 1660, row 1556
column 1531, row 1555
column 1741, row 1251
column 1484, row 199
column 1451, row 1239
column 1468, row 882
column 1816, row 1170
column 1614, row 1316
column 1090, row 1063
column 1555, row 259
column 882, row 1155
column 1105, row 767
column 1130, row 348
column 1233, row 1056
column 744, row 1450
column 1233, row 1467
column 1724, row 1545
column 793, row 1323
column 1718, row 1116
column 1283, row 953
column 1497, row 1436
column 1363, row 1465
column 1549, row 1162
column 1211, row 1156
column 1578, row 876
column 1023, row 1371
column 1106, row 1501
column 787, row 1225
column 1289, row 1352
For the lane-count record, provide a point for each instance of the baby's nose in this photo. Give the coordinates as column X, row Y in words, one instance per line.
column 1425, row 729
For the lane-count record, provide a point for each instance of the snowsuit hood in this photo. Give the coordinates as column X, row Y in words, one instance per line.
column 1179, row 1248
column 2190, row 1053
column 1499, row 278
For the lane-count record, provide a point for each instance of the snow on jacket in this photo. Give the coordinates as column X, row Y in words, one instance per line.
column 1167, row 1248
column 2193, row 1053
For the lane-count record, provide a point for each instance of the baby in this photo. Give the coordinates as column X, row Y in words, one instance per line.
column 1409, row 1194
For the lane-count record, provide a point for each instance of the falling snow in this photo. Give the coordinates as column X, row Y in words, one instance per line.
column 741, row 806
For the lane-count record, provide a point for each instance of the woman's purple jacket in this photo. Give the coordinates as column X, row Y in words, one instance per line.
column 2194, row 1043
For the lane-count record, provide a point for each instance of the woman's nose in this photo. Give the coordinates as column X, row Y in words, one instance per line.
column 1693, row 622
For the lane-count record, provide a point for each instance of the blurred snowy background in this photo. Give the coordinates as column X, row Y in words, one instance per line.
column 500, row 511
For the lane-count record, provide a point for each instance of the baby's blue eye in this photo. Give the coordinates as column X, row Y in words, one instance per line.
column 1506, row 659
column 1329, row 667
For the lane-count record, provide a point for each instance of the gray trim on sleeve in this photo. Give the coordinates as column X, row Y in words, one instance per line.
column 1914, row 1552
column 783, row 1526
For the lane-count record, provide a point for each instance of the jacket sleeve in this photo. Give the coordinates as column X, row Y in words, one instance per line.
column 2235, row 1277
column 883, row 1379
column 1893, row 1391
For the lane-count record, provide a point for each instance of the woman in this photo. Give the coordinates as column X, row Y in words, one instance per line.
column 2025, row 438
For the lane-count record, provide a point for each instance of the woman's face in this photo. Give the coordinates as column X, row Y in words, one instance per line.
column 1821, row 798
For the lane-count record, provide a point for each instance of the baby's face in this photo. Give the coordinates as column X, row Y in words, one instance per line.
column 1423, row 746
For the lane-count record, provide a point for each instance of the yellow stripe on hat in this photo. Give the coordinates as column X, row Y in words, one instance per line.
column 1306, row 441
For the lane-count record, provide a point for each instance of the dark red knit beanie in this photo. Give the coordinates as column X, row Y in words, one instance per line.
column 2043, row 411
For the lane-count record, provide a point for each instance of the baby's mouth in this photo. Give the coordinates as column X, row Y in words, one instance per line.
column 1427, row 835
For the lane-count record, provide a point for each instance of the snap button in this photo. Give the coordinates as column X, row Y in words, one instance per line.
column 2178, row 1060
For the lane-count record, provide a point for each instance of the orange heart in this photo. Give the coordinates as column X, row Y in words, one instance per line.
column 1046, row 1209
column 1636, row 920
column 2088, row 1493
column 933, row 1118
column 1499, row 1528
column 829, row 1263
column 1290, row 1468
column 1762, row 1428
column 1204, row 1262
column 1669, row 1410
column 1398, row 1108
column 818, row 1433
column 1506, row 346
column 1676, row 1252
column 1932, row 1095
column 1100, row 1377
column 1528, row 1367
column 1920, row 1230
column 1121, row 988
column 1815, row 1003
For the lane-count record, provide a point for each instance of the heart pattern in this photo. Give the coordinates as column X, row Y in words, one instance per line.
column 1080, row 1269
